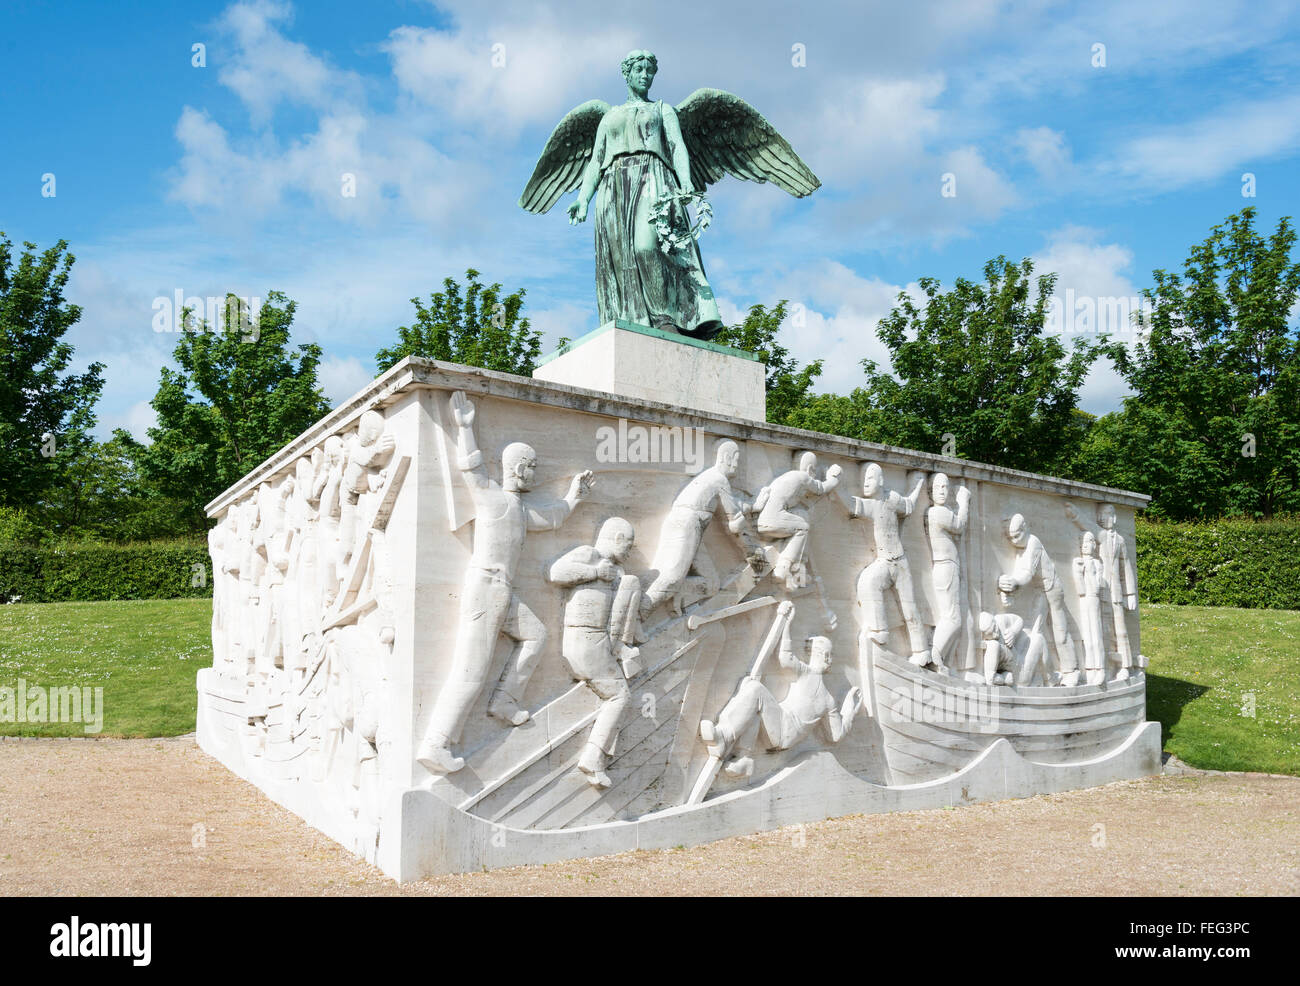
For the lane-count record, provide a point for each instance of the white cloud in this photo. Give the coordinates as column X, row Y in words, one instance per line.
column 1095, row 294
column 1046, row 151
column 340, row 378
column 498, row 75
column 981, row 191
column 1093, row 274
column 832, row 315
column 878, row 128
column 564, row 320
column 139, row 418
column 354, row 167
column 212, row 174
column 267, row 68
column 1225, row 141
column 1037, row 48
column 358, row 165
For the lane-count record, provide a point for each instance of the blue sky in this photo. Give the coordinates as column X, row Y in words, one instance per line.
column 227, row 177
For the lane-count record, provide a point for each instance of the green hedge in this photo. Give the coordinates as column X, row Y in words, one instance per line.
column 1251, row 564
column 1246, row 563
column 84, row 572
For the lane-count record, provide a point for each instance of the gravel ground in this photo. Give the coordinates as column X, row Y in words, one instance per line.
column 116, row 817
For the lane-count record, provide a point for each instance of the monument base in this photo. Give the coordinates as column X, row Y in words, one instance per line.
column 346, row 577
column 437, row 838
column 636, row 361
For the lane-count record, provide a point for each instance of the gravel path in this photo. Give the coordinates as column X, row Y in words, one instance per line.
column 117, row 817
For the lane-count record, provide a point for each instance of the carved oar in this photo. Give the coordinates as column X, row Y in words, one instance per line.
column 710, row 772
column 694, row 622
column 345, row 608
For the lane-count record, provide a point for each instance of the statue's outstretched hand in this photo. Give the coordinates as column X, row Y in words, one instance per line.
column 577, row 212
column 852, row 703
column 462, row 409
column 580, row 486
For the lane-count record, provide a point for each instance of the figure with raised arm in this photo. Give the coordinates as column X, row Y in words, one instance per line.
column 754, row 719
column 889, row 571
column 488, row 604
column 679, row 552
column 783, row 508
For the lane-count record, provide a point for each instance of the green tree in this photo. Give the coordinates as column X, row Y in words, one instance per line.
column 239, row 394
column 851, row 415
column 46, row 413
column 1213, row 426
column 17, row 527
column 476, row 328
column 787, row 383
column 104, row 497
column 973, row 371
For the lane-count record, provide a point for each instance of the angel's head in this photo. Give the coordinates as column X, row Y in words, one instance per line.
column 639, row 68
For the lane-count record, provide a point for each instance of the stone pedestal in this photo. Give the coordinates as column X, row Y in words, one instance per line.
column 437, row 542
column 648, row 364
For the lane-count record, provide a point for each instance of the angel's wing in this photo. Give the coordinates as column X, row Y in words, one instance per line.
column 725, row 135
column 559, row 169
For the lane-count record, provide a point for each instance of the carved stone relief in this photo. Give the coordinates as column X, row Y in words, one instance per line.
column 663, row 636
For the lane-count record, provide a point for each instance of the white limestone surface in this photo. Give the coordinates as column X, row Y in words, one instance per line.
column 471, row 619
column 639, row 362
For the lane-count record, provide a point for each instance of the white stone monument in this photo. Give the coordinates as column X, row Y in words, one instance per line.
column 637, row 361
column 475, row 620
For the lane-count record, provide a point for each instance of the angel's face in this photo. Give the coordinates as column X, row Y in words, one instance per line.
column 640, row 77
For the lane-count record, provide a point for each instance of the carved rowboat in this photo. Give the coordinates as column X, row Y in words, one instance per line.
column 934, row 725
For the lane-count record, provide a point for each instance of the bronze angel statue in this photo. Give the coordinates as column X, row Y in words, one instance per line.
column 648, row 161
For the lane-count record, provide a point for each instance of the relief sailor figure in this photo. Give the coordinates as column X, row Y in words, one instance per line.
column 488, row 604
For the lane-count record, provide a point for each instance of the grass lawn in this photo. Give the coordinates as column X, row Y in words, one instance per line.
column 143, row 653
column 1209, row 668
column 1225, row 685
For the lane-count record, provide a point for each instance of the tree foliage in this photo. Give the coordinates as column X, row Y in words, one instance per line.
column 788, row 385
column 1213, row 426
column 974, row 374
column 46, row 412
column 478, row 327
column 237, row 396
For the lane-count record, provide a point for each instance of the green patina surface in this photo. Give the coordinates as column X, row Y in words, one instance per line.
column 644, row 162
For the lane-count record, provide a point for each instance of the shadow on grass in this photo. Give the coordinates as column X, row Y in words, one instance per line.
column 1166, row 699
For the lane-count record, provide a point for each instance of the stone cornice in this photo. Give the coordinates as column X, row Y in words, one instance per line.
column 415, row 372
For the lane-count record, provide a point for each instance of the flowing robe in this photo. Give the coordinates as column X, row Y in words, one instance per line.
column 635, row 279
